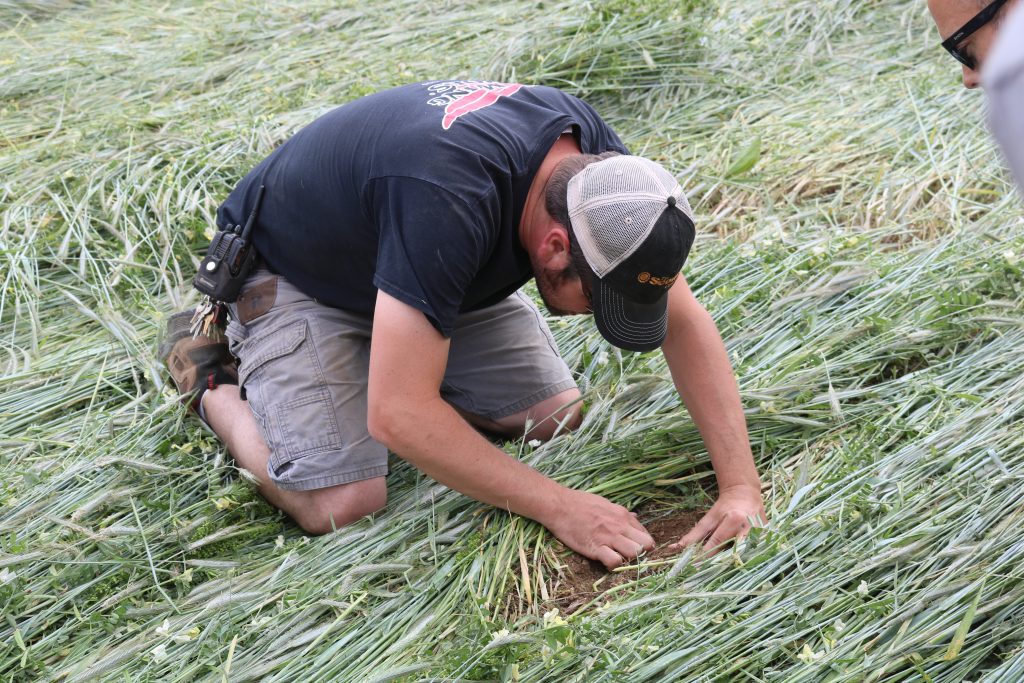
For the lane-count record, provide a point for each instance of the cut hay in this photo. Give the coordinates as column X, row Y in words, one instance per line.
column 860, row 248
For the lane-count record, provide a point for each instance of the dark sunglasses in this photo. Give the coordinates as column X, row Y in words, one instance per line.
column 967, row 30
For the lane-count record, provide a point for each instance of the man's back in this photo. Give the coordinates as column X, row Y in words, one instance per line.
column 416, row 191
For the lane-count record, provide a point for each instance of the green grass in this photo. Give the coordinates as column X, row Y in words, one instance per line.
column 859, row 246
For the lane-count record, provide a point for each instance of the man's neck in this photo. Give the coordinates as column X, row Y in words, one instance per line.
column 535, row 213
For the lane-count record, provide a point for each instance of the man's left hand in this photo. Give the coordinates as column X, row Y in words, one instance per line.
column 730, row 517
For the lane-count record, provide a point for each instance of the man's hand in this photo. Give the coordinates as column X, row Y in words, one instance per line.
column 701, row 371
column 599, row 529
column 728, row 518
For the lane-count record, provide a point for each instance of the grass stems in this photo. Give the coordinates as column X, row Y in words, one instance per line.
column 860, row 249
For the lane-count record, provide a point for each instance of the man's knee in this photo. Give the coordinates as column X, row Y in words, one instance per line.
column 323, row 510
column 555, row 415
column 563, row 416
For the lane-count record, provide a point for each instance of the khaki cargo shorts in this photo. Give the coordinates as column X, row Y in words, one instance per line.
column 304, row 369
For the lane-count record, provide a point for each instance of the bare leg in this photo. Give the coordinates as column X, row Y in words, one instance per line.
column 545, row 417
column 232, row 420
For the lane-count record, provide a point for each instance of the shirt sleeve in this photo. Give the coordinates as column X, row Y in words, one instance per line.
column 431, row 245
column 596, row 136
column 1003, row 78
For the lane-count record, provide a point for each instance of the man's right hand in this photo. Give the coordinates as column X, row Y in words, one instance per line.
column 406, row 413
column 599, row 529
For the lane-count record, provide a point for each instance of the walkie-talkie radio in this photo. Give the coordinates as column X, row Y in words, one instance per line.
column 229, row 260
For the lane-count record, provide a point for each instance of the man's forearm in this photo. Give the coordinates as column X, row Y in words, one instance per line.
column 704, row 377
column 437, row 441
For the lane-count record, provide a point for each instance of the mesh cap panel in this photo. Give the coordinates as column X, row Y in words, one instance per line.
column 613, row 205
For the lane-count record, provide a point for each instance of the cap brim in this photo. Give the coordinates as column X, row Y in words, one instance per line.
column 629, row 325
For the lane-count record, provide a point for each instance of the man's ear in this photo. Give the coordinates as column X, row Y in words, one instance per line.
column 553, row 250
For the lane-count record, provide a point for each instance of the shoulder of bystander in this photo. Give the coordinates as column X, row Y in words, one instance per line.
column 1003, row 79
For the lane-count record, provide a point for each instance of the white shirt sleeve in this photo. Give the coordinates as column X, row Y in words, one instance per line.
column 1003, row 79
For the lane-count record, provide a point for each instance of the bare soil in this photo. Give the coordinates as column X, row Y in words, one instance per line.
column 581, row 579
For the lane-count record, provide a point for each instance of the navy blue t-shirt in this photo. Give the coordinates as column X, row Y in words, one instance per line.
column 416, row 191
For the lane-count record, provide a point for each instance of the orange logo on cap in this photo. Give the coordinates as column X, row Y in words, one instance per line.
column 648, row 279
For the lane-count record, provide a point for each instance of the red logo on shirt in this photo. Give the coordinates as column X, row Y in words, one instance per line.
column 462, row 97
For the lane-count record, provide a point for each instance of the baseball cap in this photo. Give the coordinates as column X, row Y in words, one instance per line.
column 635, row 228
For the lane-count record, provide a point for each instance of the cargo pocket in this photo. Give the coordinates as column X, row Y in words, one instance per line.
column 288, row 395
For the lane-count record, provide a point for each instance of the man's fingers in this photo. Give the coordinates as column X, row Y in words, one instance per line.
column 608, row 557
column 627, row 547
column 698, row 533
column 635, row 523
column 639, row 537
column 733, row 526
column 716, row 545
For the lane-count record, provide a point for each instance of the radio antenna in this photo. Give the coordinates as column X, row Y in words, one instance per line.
column 252, row 216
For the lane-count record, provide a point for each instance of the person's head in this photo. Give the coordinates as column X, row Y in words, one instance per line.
column 558, row 264
column 620, row 230
column 968, row 29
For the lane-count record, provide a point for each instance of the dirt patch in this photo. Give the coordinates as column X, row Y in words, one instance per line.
column 582, row 580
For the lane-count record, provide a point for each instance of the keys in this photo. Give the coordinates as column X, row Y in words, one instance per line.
column 197, row 323
column 208, row 316
column 214, row 319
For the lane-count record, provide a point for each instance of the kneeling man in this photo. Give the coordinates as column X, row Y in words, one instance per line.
column 394, row 234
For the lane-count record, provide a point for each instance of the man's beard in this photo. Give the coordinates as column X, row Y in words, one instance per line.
column 548, row 282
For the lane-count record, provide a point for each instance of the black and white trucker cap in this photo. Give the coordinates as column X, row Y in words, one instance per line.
column 635, row 228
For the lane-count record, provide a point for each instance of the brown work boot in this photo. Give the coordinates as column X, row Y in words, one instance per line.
column 199, row 363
